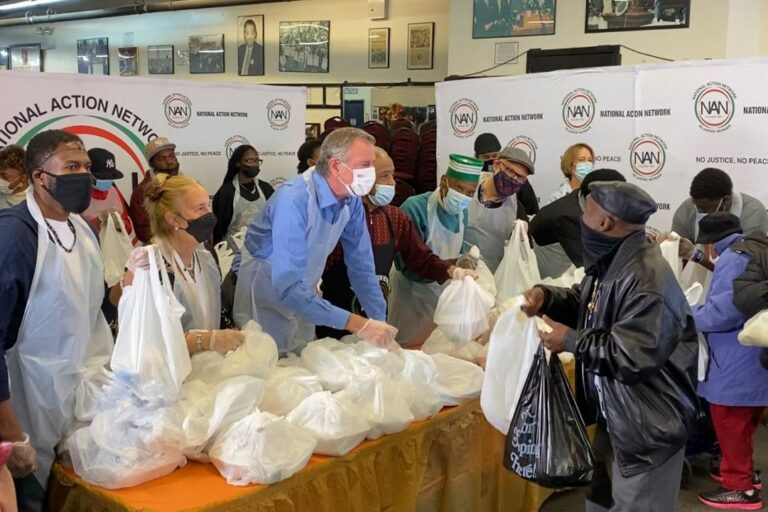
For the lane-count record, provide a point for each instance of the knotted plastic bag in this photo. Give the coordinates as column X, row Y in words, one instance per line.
column 116, row 248
column 547, row 442
column 462, row 310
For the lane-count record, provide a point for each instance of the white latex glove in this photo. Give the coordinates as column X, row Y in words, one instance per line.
column 460, row 273
column 379, row 334
column 139, row 258
column 226, row 340
column 23, row 459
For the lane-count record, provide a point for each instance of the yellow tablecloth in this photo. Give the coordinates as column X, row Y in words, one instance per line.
column 449, row 463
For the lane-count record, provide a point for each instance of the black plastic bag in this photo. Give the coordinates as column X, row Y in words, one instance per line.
column 547, row 442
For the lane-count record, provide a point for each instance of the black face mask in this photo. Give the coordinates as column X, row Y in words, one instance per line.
column 488, row 166
column 72, row 191
column 250, row 172
column 202, row 227
column 595, row 247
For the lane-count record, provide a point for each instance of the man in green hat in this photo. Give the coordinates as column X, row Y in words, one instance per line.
column 440, row 217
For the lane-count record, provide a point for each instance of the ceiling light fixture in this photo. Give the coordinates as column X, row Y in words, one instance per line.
column 26, row 4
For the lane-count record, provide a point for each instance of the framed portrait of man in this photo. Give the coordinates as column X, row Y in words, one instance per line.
column 250, row 45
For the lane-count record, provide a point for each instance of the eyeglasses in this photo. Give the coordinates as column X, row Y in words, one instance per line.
column 512, row 173
column 253, row 161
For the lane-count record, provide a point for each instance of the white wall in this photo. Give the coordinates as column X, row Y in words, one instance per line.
column 349, row 38
column 707, row 36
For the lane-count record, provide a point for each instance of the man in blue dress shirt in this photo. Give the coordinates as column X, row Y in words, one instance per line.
column 288, row 242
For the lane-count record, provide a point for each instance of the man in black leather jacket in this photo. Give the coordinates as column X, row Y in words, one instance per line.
column 632, row 333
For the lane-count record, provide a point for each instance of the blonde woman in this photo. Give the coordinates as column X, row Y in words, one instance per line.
column 180, row 216
column 577, row 161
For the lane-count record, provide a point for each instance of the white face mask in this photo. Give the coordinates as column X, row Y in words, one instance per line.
column 362, row 180
column 5, row 188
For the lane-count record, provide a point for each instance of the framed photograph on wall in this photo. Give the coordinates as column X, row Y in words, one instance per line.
column 128, row 61
column 378, row 48
column 4, row 58
column 206, row 54
column 515, row 18
column 25, row 57
column 304, row 46
column 312, row 130
column 421, row 45
column 160, row 59
column 93, row 56
column 250, row 45
column 618, row 16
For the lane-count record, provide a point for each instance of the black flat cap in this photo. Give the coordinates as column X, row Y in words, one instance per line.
column 716, row 226
column 487, row 143
column 625, row 201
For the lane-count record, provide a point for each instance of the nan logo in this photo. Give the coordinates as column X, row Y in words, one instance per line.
column 714, row 104
column 647, row 156
column 278, row 114
column 579, row 110
column 527, row 144
column 463, row 114
column 178, row 110
column 233, row 143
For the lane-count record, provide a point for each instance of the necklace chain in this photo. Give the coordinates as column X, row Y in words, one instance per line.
column 56, row 235
column 252, row 190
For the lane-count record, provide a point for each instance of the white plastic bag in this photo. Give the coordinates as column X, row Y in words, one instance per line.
column 438, row 343
column 694, row 273
column 257, row 357
column 114, row 471
column 380, row 400
column 151, row 354
column 518, row 270
column 456, row 380
column 418, row 384
column 225, row 255
column 670, row 250
column 116, row 247
column 89, row 394
column 755, row 332
column 513, row 344
column 330, row 360
column 388, row 362
column 261, row 449
column 570, row 277
column 337, row 425
column 462, row 310
column 287, row 388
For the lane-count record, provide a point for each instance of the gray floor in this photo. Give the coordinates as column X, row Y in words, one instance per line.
column 573, row 501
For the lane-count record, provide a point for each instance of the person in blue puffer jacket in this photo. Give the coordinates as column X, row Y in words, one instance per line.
column 736, row 384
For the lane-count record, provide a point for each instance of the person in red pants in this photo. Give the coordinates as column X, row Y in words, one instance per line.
column 736, row 384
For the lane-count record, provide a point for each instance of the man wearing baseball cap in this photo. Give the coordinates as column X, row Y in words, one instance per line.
column 440, row 218
column 105, row 196
column 495, row 207
column 161, row 155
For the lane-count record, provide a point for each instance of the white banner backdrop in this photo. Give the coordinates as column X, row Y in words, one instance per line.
column 657, row 124
column 206, row 120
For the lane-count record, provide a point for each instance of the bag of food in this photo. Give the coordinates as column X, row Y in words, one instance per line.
column 116, row 247
column 462, row 310
column 287, row 388
column 381, row 402
column 518, row 270
column 456, row 380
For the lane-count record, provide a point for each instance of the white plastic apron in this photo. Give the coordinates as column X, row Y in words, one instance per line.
column 243, row 212
column 200, row 295
column 255, row 297
column 490, row 228
column 412, row 304
column 62, row 338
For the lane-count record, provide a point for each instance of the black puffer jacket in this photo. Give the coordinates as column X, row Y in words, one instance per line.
column 750, row 289
column 642, row 344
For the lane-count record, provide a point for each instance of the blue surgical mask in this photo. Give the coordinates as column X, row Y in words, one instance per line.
column 455, row 202
column 584, row 168
column 383, row 196
column 103, row 185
